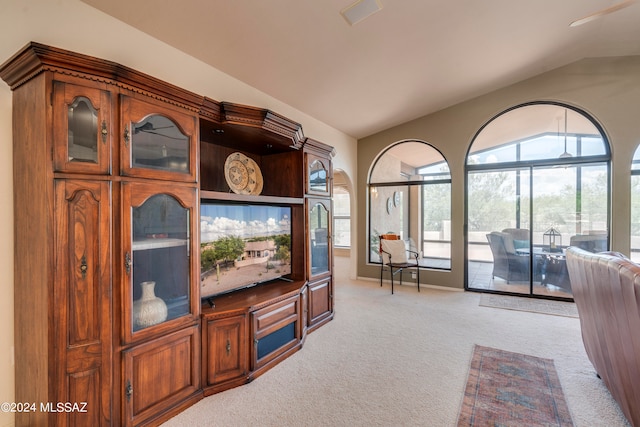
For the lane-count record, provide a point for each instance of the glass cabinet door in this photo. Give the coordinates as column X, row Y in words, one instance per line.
column 157, row 260
column 82, row 129
column 318, row 175
column 159, row 142
column 319, row 237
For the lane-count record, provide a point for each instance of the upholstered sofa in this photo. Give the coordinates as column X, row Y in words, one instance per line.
column 606, row 289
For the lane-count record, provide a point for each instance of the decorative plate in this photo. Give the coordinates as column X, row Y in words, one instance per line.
column 257, row 185
column 389, row 205
column 396, row 198
column 242, row 174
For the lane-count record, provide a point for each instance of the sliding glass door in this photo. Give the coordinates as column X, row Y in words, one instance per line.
column 498, row 223
column 570, row 208
column 531, row 198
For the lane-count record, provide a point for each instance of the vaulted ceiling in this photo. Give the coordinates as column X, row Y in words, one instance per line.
column 411, row 58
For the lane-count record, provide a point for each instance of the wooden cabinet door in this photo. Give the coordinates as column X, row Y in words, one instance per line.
column 158, row 141
column 320, row 302
column 226, row 349
column 82, row 128
column 81, row 306
column 160, row 374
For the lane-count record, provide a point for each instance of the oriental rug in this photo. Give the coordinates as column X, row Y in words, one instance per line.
column 512, row 389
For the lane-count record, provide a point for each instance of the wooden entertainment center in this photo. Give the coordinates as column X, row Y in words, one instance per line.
column 110, row 168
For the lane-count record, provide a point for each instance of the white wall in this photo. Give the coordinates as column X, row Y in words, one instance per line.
column 72, row 25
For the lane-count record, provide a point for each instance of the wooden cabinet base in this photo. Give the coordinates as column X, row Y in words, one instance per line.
column 320, row 303
column 250, row 331
column 146, row 389
column 225, row 362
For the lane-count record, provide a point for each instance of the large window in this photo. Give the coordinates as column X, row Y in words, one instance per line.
column 537, row 182
column 410, row 195
column 341, row 217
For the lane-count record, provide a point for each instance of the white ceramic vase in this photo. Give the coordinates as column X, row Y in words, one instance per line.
column 149, row 309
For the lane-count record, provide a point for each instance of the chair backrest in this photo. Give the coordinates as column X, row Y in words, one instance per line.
column 497, row 245
column 394, row 248
column 519, row 238
column 390, row 236
column 589, row 242
column 517, row 233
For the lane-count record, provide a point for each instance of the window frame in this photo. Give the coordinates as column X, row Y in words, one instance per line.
column 531, row 165
column 374, row 186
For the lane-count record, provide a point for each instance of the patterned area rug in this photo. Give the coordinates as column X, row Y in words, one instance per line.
column 557, row 308
column 512, row 389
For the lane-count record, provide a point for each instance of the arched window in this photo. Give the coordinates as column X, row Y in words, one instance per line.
column 410, row 195
column 537, row 181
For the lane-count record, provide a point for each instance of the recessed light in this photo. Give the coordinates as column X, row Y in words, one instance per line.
column 360, row 10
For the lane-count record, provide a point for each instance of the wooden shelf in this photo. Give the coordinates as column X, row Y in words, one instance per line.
column 282, row 171
column 246, row 198
column 253, row 298
column 139, row 245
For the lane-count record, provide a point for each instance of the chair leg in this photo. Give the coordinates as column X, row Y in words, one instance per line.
column 418, row 277
column 391, row 270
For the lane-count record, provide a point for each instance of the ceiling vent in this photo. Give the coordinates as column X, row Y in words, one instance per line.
column 360, row 10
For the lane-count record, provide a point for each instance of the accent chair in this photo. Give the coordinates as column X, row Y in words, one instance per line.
column 395, row 256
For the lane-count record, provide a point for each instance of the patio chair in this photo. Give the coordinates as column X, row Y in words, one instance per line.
column 590, row 242
column 507, row 264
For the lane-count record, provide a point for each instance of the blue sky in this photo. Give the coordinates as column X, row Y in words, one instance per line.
column 219, row 220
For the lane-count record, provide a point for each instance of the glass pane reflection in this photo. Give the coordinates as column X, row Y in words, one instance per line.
column 318, row 177
column 158, row 143
column 160, row 255
column 319, row 224
column 83, row 131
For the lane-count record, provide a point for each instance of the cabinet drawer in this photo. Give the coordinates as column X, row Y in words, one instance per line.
column 275, row 316
column 276, row 332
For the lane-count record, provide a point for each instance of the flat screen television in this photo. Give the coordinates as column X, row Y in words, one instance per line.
column 242, row 245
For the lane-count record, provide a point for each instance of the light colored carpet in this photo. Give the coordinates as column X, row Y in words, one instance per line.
column 557, row 308
column 403, row 360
